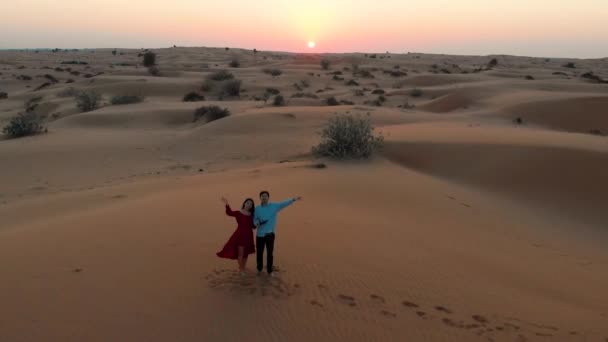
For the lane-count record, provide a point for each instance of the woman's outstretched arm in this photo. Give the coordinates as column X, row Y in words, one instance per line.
column 229, row 211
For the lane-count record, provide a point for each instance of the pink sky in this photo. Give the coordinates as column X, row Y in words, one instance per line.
column 553, row 28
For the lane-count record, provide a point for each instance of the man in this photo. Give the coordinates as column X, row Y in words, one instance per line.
column 265, row 219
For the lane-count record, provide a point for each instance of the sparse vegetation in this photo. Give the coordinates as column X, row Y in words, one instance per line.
column 153, row 70
column 126, row 99
column 149, row 59
column 67, row 92
column 331, row 101
column 221, row 75
column 210, row 113
column 75, row 62
column 492, row 63
column 87, row 100
column 325, row 63
column 193, row 97
column 24, row 124
column 348, row 137
column 352, row 83
column 273, row 91
column 529, row 78
column 570, row 65
column 235, row 63
column 378, row 91
column 272, row 72
column 305, row 95
column 231, row 88
column 24, row 78
column 416, row 92
column 593, row 77
column 279, row 100
column 3, row 95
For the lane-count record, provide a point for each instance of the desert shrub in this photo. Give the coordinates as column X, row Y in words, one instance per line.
column 210, row 113
column 69, row 80
column 358, row 92
column 44, row 85
column 325, row 63
column 193, row 97
column 352, row 83
column 23, row 124
column 398, row 73
column 304, row 95
column 365, row 73
column 338, row 78
column 235, row 63
column 348, row 137
column 87, row 100
column 154, row 71
column 279, row 100
column 149, row 59
column 593, row 77
column 126, row 99
column 3, row 95
column 570, row 65
column 529, row 77
column 273, row 91
column 114, row 52
column 231, row 87
column 24, row 78
column 67, row 92
column 492, row 63
column 378, row 91
column 51, row 78
column 272, row 72
column 207, row 85
column 221, row 75
column 416, row 92
column 331, row 101
column 75, row 62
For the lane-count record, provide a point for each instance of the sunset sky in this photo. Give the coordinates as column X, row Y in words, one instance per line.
column 551, row 28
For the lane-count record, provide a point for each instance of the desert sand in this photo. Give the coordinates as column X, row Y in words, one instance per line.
column 467, row 226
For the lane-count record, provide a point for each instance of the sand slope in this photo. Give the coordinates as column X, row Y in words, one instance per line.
column 467, row 227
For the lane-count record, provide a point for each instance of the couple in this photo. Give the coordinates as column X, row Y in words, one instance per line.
column 263, row 218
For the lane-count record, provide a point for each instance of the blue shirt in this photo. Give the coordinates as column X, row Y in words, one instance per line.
column 268, row 213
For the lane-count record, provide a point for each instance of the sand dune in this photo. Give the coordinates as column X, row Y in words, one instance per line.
column 467, row 227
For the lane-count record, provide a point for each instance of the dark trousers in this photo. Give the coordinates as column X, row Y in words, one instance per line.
column 268, row 242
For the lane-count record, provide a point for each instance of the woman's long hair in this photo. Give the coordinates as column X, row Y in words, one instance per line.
column 252, row 206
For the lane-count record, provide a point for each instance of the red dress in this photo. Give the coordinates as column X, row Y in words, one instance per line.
column 242, row 236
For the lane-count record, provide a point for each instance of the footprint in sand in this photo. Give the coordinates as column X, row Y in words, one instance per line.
column 409, row 304
column 480, row 319
column 388, row 314
column 315, row 303
column 348, row 300
column 443, row 309
column 377, row 298
column 421, row 314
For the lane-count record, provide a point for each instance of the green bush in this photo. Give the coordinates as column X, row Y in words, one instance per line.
column 210, row 113
column 149, row 59
column 126, row 99
column 24, row 124
column 348, row 137
column 87, row 100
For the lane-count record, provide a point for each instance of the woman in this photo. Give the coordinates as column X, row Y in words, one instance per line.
column 240, row 244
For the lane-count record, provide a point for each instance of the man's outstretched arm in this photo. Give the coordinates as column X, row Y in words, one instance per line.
column 285, row 204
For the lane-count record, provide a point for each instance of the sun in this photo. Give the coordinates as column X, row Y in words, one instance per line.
column 311, row 44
